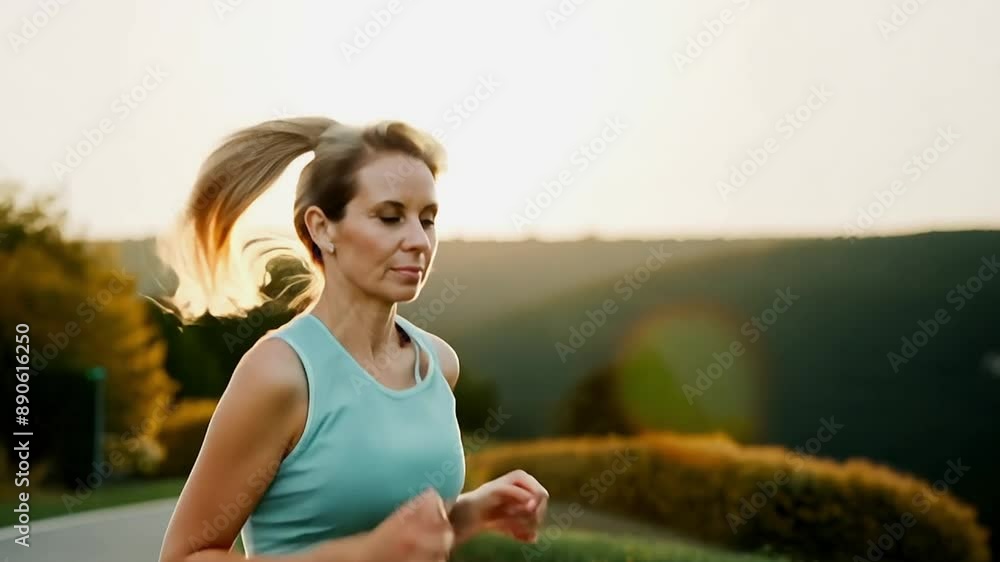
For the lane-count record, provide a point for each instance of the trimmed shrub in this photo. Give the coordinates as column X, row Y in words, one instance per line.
column 182, row 435
column 751, row 497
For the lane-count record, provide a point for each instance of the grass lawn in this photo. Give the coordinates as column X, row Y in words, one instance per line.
column 51, row 503
column 576, row 546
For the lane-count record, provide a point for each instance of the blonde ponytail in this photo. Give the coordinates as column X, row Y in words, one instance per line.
column 211, row 278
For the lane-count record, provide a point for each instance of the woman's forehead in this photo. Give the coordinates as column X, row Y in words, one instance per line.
column 397, row 177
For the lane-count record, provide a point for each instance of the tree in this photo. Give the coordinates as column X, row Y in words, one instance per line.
column 82, row 312
column 594, row 407
column 475, row 395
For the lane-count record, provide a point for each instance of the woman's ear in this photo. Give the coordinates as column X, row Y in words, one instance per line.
column 321, row 230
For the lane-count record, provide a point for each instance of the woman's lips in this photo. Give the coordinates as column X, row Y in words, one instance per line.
column 411, row 273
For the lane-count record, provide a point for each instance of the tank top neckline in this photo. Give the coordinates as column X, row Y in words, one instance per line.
column 395, row 393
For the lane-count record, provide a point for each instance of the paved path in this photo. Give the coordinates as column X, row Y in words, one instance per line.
column 134, row 533
column 125, row 534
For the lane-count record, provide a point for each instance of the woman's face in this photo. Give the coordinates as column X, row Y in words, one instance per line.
column 385, row 243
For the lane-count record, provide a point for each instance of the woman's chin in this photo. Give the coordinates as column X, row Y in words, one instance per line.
column 404, row 293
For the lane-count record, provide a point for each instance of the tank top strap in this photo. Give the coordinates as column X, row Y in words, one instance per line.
column 423, row 339
column 309, row 346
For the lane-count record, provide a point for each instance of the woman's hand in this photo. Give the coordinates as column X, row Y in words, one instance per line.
column 513, row 504
column 418, row 531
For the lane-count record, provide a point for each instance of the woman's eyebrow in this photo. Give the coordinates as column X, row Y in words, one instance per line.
column 400, row 206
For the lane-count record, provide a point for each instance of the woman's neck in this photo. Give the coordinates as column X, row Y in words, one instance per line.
column 366, row 328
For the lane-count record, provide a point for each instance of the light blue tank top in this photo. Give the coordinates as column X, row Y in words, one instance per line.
column 365, row 450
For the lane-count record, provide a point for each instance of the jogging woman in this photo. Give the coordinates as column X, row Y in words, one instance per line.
column 336, row 438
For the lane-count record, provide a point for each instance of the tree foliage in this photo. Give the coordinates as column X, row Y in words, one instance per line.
column 82, row 312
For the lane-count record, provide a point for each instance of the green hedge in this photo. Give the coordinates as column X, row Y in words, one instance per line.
column 713, row 489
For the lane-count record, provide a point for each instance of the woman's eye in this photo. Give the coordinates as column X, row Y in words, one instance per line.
column 396, row 220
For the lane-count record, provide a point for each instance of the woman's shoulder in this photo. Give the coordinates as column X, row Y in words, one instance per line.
column 273, row 368
column 268, row 386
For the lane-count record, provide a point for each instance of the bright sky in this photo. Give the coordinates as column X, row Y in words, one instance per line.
column 847, row 101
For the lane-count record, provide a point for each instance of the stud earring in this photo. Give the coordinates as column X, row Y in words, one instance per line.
column 330, row 247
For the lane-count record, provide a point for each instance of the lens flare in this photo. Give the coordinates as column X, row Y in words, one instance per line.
column 688, row 368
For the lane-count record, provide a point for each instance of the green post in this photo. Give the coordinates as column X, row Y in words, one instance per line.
column 98, row 374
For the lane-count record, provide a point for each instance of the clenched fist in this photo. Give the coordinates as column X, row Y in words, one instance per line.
column 418, row 531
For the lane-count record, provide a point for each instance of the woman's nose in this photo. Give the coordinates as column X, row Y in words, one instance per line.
column 416, row 237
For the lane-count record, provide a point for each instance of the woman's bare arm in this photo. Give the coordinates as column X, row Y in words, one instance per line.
column 246, row 440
